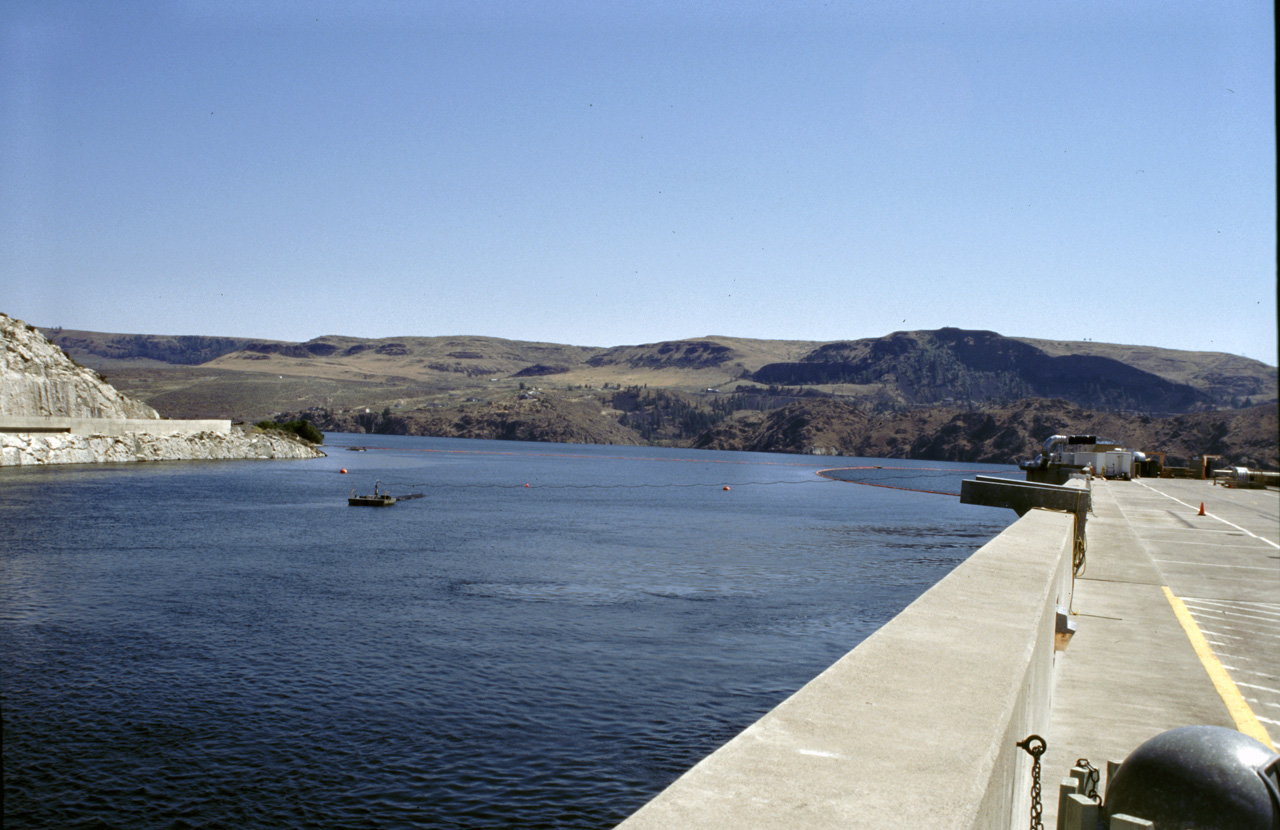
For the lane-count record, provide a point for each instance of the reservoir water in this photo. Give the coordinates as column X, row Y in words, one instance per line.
column 229, row 644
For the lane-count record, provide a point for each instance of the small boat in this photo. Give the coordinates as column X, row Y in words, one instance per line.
column 376, row 499
column 380, row 497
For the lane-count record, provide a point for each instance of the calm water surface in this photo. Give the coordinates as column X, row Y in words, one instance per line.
column 229, row 644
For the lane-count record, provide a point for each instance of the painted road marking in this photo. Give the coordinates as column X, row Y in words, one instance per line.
column 1245, row 636
column 1216, row 564
column 1246, row 720
column 1260, row 607
column 1228, row 616
column 1254, row 673
column 1247, row 659
column 1264, row 606
column 1227, row 623
column 1247, row 549
column 1212, row 516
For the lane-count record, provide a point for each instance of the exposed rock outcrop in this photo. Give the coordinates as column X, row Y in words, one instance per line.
column 38, row 381
column 36, row 378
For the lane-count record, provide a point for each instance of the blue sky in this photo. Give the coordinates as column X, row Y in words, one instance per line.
column 626, row 172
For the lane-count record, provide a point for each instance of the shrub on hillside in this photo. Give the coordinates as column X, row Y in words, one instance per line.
column 302, row 428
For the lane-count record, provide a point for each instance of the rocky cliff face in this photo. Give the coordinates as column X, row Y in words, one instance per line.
column 36, row 378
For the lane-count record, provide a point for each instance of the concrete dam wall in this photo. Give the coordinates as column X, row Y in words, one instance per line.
column 918, row 725
column 110, row 426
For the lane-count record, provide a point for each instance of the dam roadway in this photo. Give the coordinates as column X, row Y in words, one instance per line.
column 1178, row 622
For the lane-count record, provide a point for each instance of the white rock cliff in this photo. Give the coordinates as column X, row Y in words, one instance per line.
column 36, row 378
column 38, row 381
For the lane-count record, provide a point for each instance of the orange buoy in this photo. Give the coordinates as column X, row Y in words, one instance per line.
column 726, row 487
column 343, row 471
column 1201, row 513
column 526, row 484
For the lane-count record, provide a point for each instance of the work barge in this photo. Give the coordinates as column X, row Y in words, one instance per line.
column 379, row 497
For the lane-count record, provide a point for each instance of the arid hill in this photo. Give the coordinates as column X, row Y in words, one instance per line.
column 948, row 366
column 951, row 365
column 951, row 393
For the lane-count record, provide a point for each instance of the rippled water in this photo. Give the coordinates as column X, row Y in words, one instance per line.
column 230, row 644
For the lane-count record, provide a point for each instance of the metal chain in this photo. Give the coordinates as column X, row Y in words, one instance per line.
column 1081, row 545
column 1035, row 747
column 1091, row 780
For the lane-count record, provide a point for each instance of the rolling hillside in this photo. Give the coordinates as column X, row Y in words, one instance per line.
column 711, row 391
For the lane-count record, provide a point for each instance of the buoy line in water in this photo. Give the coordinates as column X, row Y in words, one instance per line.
column 890, row 481
column 753, row 462
column 888, row 476
column 523, row 485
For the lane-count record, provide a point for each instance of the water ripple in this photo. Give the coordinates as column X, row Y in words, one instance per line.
column 231, row 646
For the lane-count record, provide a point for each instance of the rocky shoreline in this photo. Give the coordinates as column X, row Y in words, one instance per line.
column 34, row 449
column 40, row 383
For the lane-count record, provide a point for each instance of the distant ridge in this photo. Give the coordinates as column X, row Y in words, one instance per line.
column 948, row 394
column 911, row 368
column 957, row 365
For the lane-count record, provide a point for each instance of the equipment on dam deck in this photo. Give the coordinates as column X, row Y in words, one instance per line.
column 1201, row 777
column 1065, row 455
column 1022, row 496
column 1245, row 478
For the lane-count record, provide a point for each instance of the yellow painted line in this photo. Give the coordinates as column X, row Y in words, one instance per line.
column 1246, row 720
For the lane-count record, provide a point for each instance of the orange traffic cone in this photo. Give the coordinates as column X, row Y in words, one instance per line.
column 1201, row 513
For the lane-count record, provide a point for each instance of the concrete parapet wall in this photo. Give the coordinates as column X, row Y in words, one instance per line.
column 916, row 727
column 110, row 426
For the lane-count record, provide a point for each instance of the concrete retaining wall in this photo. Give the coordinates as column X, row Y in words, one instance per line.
column 110, row 426
column 916, row 726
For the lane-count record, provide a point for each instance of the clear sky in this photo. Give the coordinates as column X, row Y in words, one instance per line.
column 608, row 173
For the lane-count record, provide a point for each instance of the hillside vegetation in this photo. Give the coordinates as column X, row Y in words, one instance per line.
column 948, row 394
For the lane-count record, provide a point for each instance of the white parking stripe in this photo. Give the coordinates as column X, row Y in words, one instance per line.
column 1217, row 565
column 1224, row 614
column 1219, row 518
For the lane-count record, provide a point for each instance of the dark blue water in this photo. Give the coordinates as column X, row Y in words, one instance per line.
column 229, row 644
